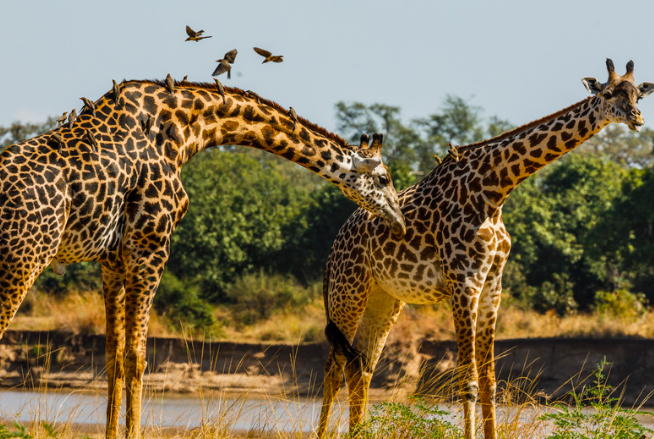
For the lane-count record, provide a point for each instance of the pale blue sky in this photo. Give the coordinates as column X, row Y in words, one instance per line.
column 518, row 60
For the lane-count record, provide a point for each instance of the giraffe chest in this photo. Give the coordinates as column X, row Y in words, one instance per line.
column 422, row 268
column 413, row 274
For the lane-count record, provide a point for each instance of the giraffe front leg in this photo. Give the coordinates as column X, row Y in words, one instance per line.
column 141, row 285
column 464, row 308
column 485, row 352
column 113, row 284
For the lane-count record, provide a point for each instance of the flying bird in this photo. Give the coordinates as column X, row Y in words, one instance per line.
column 225, row 64
column 230, row 56
column 221, row 90
column 222, row 67
column 268, row 56
column 193, row 35
column 61, row 119
column 89, row 104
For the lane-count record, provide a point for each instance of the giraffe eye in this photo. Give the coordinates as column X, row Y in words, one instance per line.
column 607, row 94
column 383, row 180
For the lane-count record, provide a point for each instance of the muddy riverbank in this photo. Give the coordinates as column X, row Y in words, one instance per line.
column 544, row 368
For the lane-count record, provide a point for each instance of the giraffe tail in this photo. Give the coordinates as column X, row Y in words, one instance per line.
column 338, row 340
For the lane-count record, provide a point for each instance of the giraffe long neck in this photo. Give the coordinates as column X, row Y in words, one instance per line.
column 195, row 117
column 508, row 159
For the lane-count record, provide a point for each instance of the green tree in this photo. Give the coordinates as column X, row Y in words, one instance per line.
column 625, row 234
column 409, row 148
column 625, row 147
column 19, row 131
column 551, row 220
column 234, row 224
column 458, row 123
column 312, row 232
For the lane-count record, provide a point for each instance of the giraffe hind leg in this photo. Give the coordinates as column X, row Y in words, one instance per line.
column 338, row 340
column 342, row 355
column 380, row 315
column 332, row 385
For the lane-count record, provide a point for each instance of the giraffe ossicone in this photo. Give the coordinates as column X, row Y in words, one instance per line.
column 106, row 187
column 455, row 247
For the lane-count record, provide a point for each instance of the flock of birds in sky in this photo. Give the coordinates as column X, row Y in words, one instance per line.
column 224, row 65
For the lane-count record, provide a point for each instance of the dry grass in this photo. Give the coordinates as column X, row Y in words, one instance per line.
column 83, row 312
column 306, row 325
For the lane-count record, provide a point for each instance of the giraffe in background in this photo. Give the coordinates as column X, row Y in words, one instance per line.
column 455, row 247
column 106, row 187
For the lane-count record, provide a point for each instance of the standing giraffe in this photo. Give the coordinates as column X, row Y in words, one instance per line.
column 455, row 247
column 106, row 187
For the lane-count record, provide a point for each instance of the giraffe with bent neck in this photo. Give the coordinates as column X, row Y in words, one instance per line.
column 106, row 187
column 455, row 246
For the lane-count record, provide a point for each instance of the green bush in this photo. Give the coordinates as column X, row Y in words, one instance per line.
column 606, row 419
column 621, row 303
column 417, row 420
column 180, row 302
column 257, row 296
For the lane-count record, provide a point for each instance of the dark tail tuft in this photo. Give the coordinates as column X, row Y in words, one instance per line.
column 338, row 340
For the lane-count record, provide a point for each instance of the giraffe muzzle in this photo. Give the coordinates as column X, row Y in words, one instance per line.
column 397, row 225
column 635, row 125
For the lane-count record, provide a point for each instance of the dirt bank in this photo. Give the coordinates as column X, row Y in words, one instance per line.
column 547, row 367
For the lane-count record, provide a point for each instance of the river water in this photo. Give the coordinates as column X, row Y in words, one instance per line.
column 238, row 414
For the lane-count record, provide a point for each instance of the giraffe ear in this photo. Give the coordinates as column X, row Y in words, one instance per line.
column 645, row 89
column 364, row 165
column 592, row 85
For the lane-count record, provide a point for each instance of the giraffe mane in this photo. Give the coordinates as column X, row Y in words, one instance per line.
column 522, row 128
column 211, row 87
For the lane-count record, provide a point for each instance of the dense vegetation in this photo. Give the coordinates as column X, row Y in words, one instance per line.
column 259, row 228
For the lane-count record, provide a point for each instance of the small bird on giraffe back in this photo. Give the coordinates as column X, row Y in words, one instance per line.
column 72, row 117
column 221, row 89
column 61, row 119
column 170, row 84
column 88, row 104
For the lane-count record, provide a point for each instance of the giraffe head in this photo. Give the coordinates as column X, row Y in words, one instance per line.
column 371, row 185
column 620, row 95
